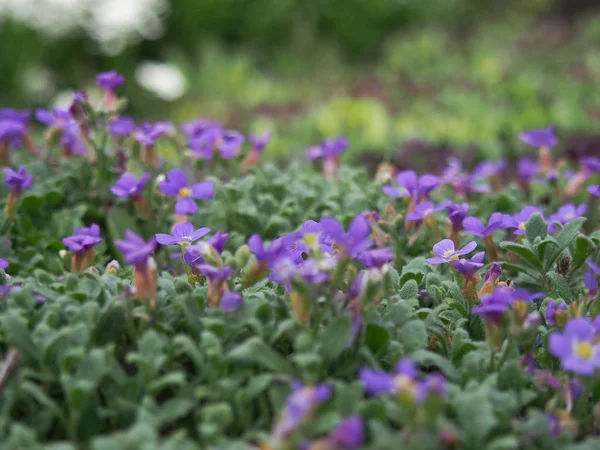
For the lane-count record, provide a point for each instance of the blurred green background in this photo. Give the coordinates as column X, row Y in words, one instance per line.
column 390, row 74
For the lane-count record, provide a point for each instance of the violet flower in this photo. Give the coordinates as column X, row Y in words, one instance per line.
column 476, row 227
column 456, row 214
column 128, row 186
column 594, row 189
column 446, row 251
column 519, row 220
column 377, row 257
column 17, row 180
column 299, row 407
column 349, row 434
column 196, row 128
column 176, row 185
column 543, row 137
column 137, row 252
column 260, row 141
column 226, row 142
column 527, row 168
column 551, row 310
column 469, row 267
column 59, row 119
column 594, row 267
column 3, row 264
column 231, row 301
column 410, row 185
column 355, row 240
column 122, row 126
column 488, row 169
column 494, row 305
column 183, row 234
column 591, row 284
column 568, row 212
column 108, row 81
column 427, row 209
column 81, row 243
column 329, row 151
column 577, row 347
column 378, row 382
column 148, row 133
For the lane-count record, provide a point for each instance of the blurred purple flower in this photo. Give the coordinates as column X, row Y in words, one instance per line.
column 122, row 126
column 355, row 240
column 577, row 347
column 260, row 141
column 551, row 309
column 426, row 209
column 410, row 185
column 543, row 137
column 84, row 239
column 135, row 250
column 468, row 267
column 17, row 180
column 231, row 301
column 489, row 169
column 128, row 186
column 476, row 227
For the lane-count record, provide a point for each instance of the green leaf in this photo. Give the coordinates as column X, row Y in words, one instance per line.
column 536, row 227
column 18, row 334
column 476, row 416
column 430, row 359
column 560, row 286
column 336, row 337
column 413, row 336
column 255, row 350
column 409, row 290
column 564, row 239
column 524, row 252
column 584, row 247
column 376, row 337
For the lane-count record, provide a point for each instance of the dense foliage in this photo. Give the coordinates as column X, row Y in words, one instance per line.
column 161, row 287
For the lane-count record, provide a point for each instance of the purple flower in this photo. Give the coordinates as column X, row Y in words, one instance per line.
column 494, row 305
column 218, row 240
column 527, row 168
column 576, row 347
column 410, row 185
column 349, row 434
column 593, row 266
column 591, row 283
column 226, row 142
column 519, row 220
column 135, row 250
column 446, row 252
column 259, row 142
column 148, row 133
column 298, row 407
column 543, row 137
column 183, row 234
column 457, row 213
column 3, row 264
column 59, row 119
column 214, row 273
column 591, row 164
column 489, row 169
column 176, row 185
column 426, row 209
column 231, row 301
column 84, row 239
column 568, row 212
column 468, row 267
column 377, row 257
column 18, row 180
column 110, row 79
column 263, row 255
column 329, row 148
column 476, row 227
column 196, row 128
column 128, row 186
column 551, row 309
column 523, row 295
column 13, row 126
column 434, row 384
column 122, row 126
column 355, row 240
column 379, row 382
column 594, row 189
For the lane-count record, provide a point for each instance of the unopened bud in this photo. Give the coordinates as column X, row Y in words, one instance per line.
column 113, row 267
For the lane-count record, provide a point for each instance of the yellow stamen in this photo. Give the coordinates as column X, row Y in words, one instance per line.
column 584, row 350
column 185, row 192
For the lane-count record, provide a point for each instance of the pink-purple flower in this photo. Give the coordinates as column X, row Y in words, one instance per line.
column 446, row 251
column 17, row 180
column 135, row 249
column 476, row 227
column 176, row 185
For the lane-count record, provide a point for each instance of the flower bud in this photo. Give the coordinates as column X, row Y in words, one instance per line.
column 113, row 267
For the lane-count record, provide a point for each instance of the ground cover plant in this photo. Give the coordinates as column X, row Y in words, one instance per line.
column 162, row 287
